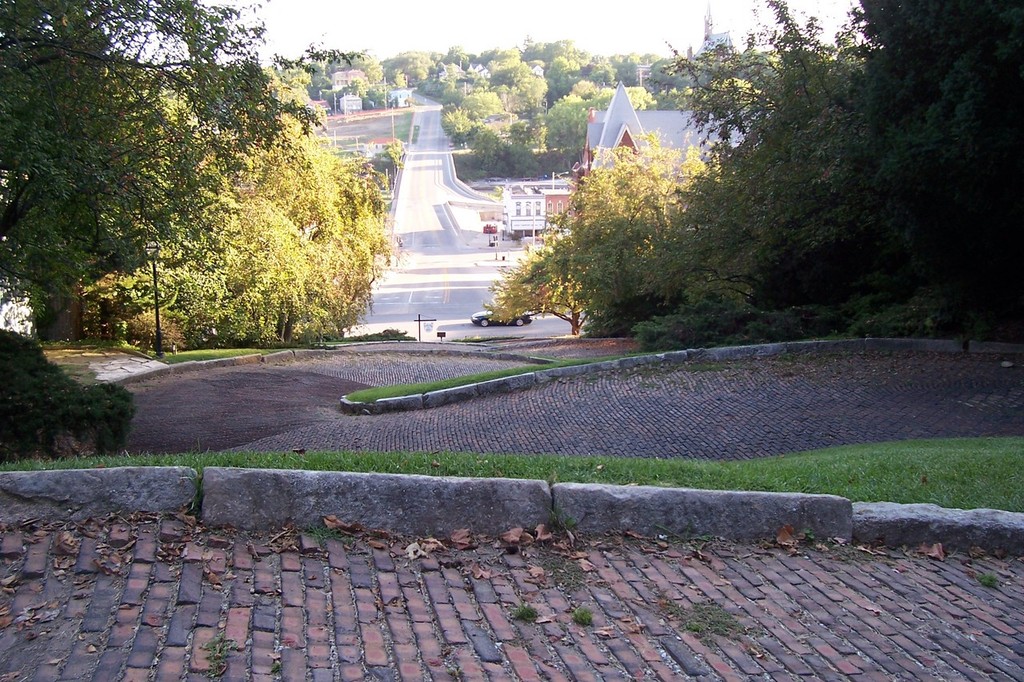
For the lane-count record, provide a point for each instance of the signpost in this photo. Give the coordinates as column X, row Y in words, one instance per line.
column 419, row 325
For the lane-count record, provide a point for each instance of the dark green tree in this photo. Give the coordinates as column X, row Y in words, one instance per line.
column 944, row 99
column 785, row 214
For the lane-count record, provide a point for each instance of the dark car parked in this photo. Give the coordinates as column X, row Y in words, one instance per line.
column 485, row 318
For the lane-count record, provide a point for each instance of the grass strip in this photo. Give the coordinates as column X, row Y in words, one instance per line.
column 957, row 473
column 213, row 354
column 369, row 395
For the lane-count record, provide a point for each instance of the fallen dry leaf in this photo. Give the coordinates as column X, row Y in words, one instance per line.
column 479, row 572
column 586, row 565
column 66, row 544
column 414, row 551
column 933, row 551
column 537, row 574
column 429, row 545
column 462, row 539
column 607, row 632
column 785, row 537
column 334, row 523
column 511, row 537
column 542, row 533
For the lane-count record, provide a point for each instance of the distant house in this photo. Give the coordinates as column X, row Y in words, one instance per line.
column 343, row 79
column 623, row 126
column 378, row 146
column 451, row 71
column 480, row 70
column 348, row 104
column 538, row 70
column 399, row 97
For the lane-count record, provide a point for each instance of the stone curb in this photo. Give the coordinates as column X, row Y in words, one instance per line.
column 684, row 512
column 420, row 505
column 523, row 381
column 79, row 494
column 957, row 529
column 265, row 499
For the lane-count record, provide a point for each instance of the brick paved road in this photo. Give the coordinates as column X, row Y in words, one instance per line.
column 160, row 599
column 714, row 411
column 150, row 599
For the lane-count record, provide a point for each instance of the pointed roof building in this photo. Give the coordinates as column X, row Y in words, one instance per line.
column 623, row 126
column 714, row 40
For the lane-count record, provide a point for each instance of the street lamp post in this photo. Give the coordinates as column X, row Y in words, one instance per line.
column 153, row 249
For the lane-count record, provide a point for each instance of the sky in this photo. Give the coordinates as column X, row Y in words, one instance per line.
column 385, row 29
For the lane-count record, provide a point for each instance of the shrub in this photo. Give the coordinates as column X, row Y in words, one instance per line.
column 45, row 413
column 140, row 331
column 722, row 322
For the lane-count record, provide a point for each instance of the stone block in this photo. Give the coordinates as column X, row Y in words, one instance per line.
column 638, row 361
column 78, row 494
column 518, row 382
column 957, row 529
column 743, row 352
column 399, row 404
column 448, row 396
column 995, row 347
column 560, row 372
column 279, row 357
column 686, row 512
column 916, row 345
column 826, row 346
column 418, row 505
column 356, row 407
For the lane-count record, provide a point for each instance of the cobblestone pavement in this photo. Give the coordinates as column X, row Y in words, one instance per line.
column 151, row 599
column 729, row 410
column 157, row 599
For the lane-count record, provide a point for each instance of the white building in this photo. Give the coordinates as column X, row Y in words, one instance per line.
column 528, row 207
column 348, row 104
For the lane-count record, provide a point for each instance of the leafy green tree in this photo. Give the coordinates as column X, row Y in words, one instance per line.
column 457, row 55
column 118, row 121
column 944, row 100
column 562, row 73
column 621, row 215
column 509, row 70
column 785, row 214
column 542, row 283
column 480, row 105
column 566, row 124
column 458, row 126
column 301, row 241
column 408, row 67
column 601, row 72
column 373, row 69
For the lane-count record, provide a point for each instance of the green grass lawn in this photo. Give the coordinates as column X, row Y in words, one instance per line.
column 369, row 395
column 959, row 473
column 213, row 354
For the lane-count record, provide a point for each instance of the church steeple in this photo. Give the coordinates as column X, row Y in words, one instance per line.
column 708, row 24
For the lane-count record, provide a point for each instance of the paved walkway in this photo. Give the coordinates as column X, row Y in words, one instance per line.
column 163, row 600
